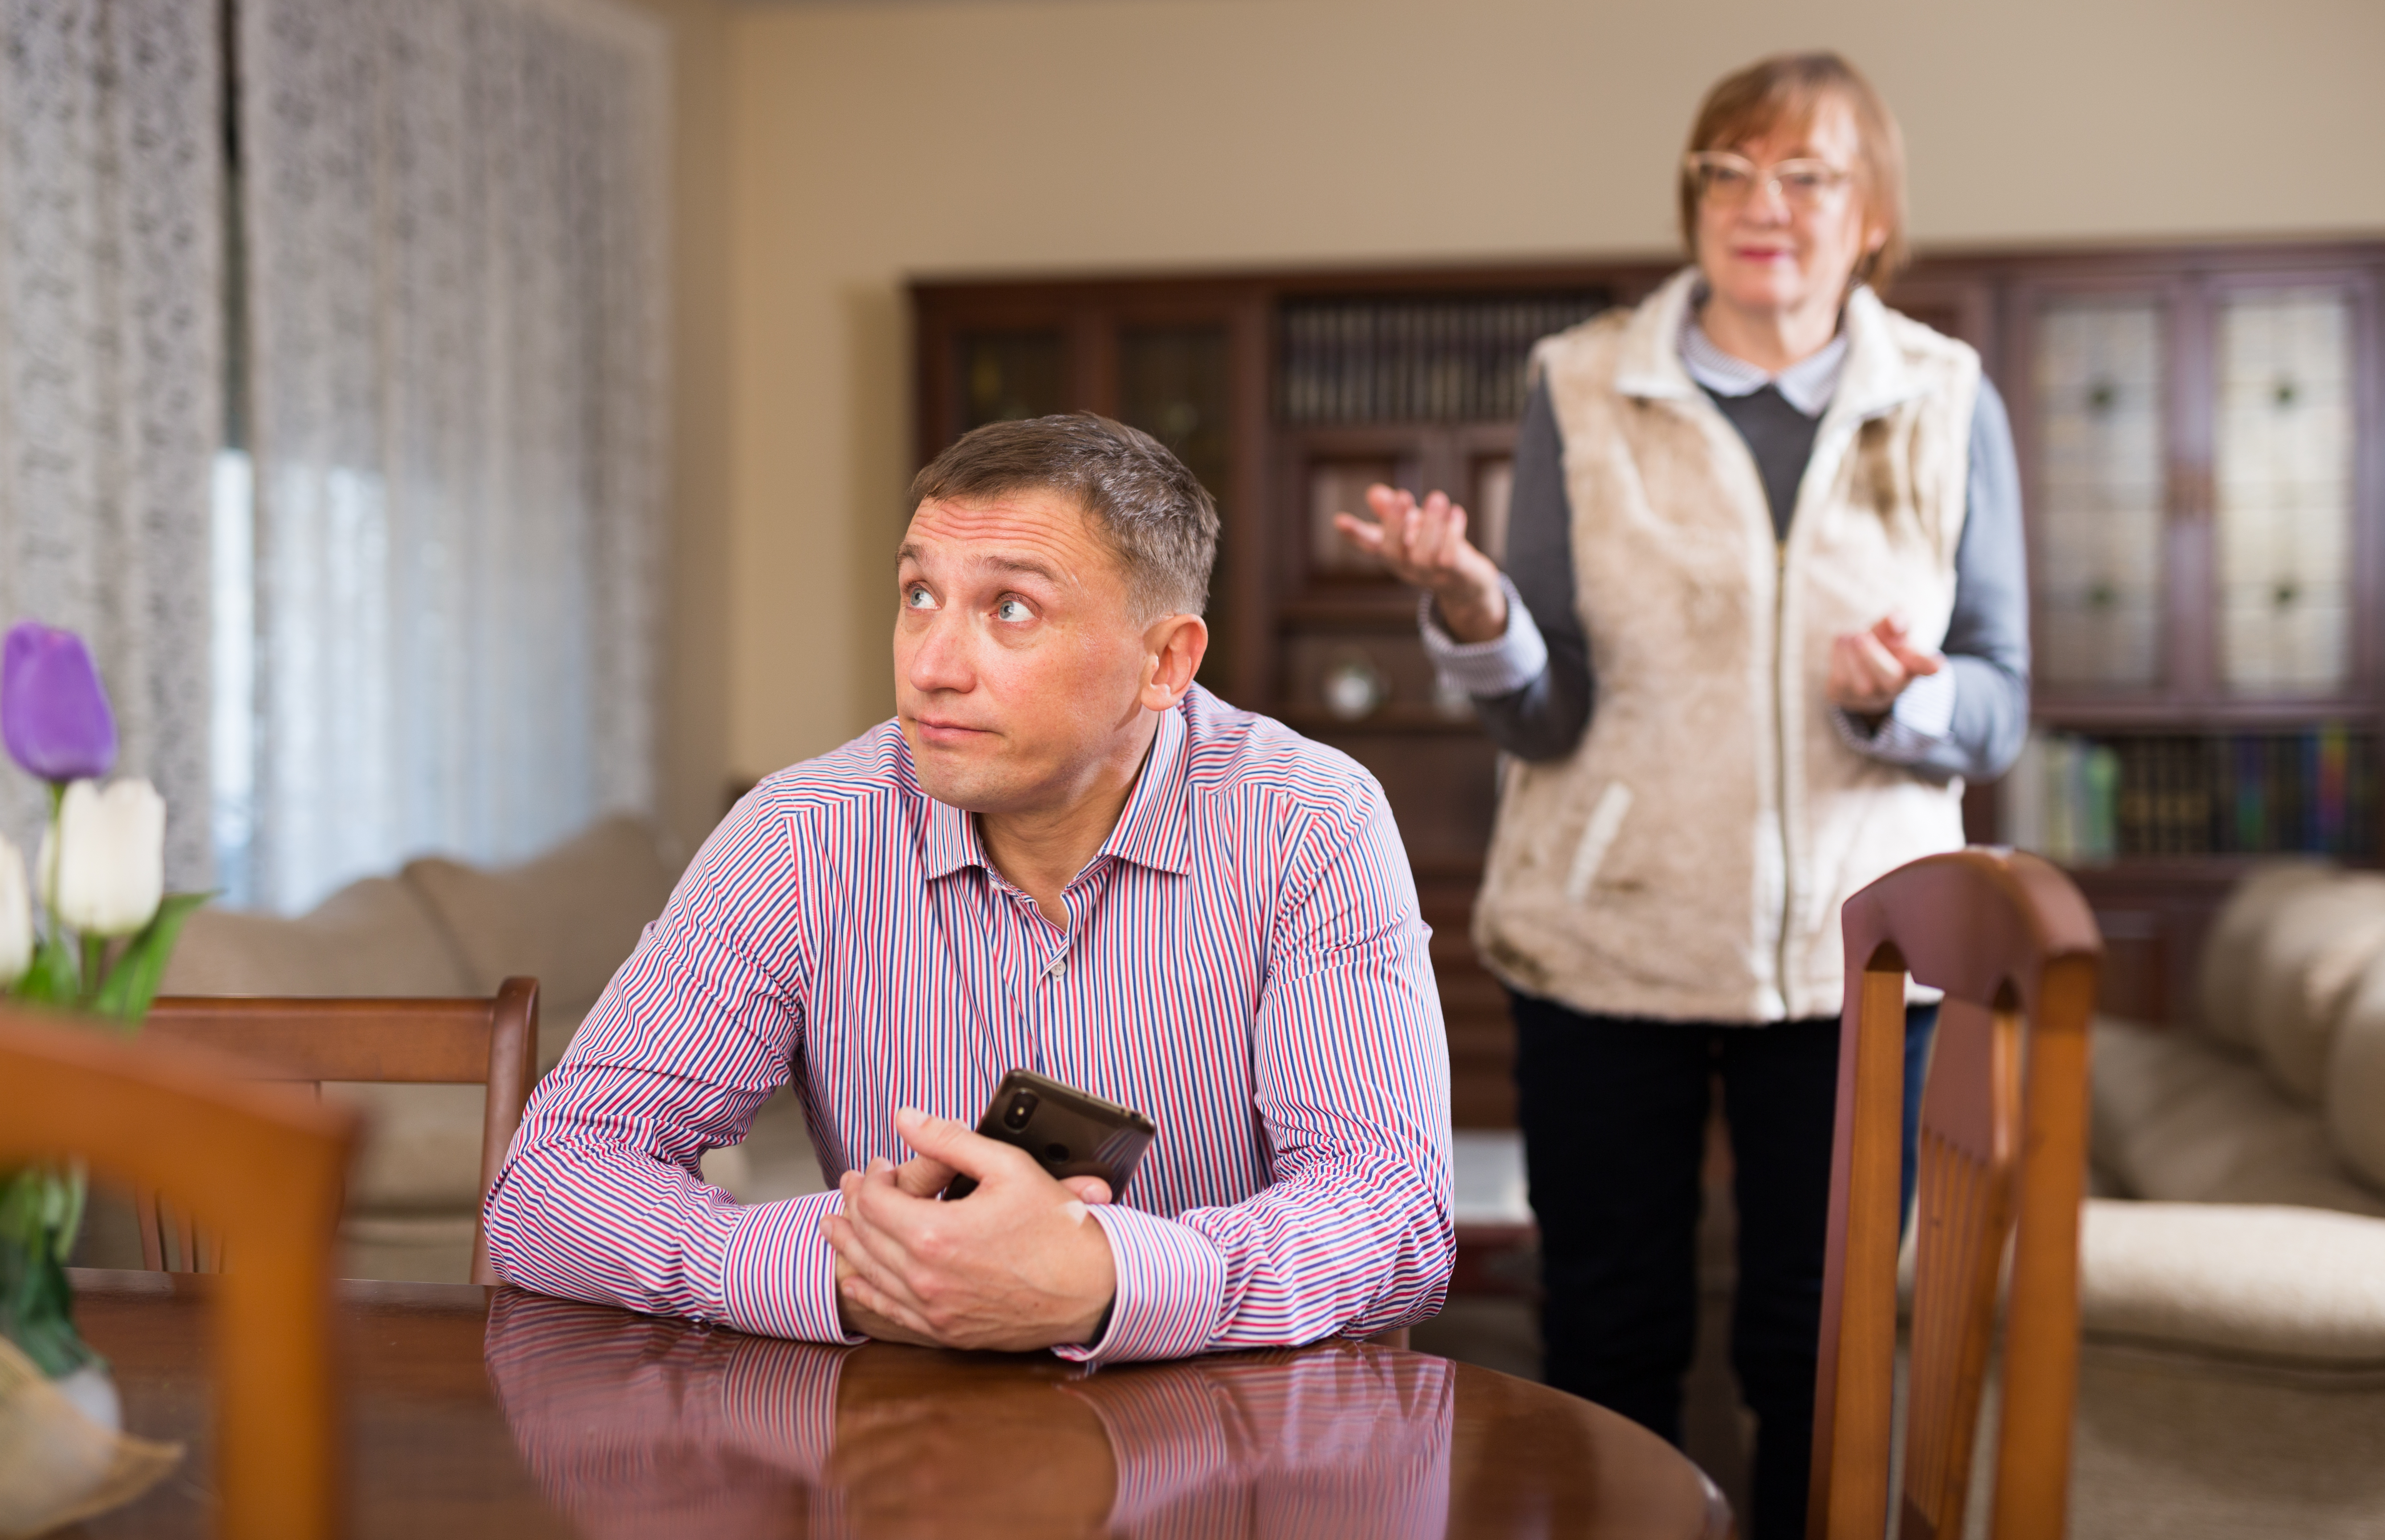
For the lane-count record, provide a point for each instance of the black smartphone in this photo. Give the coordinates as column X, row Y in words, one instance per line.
column 1069, row 1133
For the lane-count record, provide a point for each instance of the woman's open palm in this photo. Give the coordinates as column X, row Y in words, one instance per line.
column 1425, row 546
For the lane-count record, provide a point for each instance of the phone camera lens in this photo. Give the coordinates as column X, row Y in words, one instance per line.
column 1021, row 1108
column 1056, row 1153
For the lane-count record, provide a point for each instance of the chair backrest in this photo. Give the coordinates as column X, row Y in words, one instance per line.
column 260, row 1167
column 469, row 1042
column 2003, row 1155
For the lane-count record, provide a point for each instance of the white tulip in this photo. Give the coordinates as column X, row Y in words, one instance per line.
column 103, row 861
column 16, row 916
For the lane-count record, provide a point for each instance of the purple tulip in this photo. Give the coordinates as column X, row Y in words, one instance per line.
column 54, row 712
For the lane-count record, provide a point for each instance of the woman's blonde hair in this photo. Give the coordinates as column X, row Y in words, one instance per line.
column 1788, row 90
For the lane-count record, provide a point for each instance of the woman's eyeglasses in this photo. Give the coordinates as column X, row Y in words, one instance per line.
column 1727, row 181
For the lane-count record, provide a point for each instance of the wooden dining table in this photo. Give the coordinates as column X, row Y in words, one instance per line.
column 492, row 1411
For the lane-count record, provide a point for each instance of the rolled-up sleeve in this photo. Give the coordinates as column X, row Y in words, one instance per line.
column 602, row 1197
column 1354, row 1234
column 1485, row 670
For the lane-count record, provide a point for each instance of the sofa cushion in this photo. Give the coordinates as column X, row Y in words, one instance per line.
column 2286, row 1285
column 422, row 1142
column 2178, row 1120
column 422, row 1150
column 2224, row 980
column 373, row 938
column 568, row 919
column 2355, row 1080
column 2316, row 947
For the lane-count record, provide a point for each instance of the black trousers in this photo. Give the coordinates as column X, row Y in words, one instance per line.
column 1613, row 1114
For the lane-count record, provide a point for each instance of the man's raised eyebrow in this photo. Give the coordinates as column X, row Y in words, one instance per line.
column 1024, row 564
column 910, row 551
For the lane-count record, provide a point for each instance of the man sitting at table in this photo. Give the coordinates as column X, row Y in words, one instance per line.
column 1062, row 855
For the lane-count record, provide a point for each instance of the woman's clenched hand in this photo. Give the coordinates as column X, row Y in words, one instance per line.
column 1870, row 668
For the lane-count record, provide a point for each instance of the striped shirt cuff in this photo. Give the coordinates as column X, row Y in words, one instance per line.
column 1919, row 723
column 1486, row 669
column 1172, row 1289
column 778, row 1277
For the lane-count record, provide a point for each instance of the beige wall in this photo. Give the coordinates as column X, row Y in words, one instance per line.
column 867, row 143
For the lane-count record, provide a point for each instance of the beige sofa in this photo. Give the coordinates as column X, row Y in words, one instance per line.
column 2233, row 1376
column 439, row 927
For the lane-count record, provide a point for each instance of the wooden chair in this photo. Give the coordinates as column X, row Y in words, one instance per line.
column 263, row 1169
column 2003, row 1138
column 469, row 1042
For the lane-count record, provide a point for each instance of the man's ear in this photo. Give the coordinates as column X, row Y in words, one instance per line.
column 1173, row 647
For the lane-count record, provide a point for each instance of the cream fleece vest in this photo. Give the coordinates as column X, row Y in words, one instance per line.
column 1688, row 858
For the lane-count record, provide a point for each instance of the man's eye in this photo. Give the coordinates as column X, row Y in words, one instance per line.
column 917, row 597
column 1013, row 610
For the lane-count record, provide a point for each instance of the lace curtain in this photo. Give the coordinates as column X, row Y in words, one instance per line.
column 454, row 219
column 111, row 364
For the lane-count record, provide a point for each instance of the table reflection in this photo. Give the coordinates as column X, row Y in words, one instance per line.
column 639, row 1426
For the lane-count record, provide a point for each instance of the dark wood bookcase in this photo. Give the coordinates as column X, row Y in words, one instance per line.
column 2135, row 381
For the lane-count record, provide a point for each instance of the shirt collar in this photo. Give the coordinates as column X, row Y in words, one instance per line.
column 1150, row 831
column 951, row 841
column 1809, row 385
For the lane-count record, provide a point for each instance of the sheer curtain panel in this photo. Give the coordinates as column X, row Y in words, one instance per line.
column 111, row 368
column 454, row 218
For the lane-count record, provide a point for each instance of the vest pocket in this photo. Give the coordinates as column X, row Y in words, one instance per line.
column 1607, row 817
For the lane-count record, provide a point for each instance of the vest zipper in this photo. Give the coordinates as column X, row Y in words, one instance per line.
column 1780, row 771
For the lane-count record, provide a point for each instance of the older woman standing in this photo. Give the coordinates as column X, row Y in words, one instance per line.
column 1765, row 607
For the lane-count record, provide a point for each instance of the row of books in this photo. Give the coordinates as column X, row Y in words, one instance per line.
column 1408, row 360
column 2085, row 800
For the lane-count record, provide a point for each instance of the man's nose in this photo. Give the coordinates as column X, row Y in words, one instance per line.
column 941, row 661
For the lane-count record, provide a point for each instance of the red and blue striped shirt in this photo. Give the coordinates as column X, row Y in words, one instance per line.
column 1244, row 963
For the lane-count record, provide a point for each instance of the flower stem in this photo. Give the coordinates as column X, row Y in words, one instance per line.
column 48, row 881
column 39, row 1208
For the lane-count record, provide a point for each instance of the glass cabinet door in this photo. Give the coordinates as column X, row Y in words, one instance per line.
column 1011, row 375
column 2282, row 477
column 2099, row 403
column 1174, row 384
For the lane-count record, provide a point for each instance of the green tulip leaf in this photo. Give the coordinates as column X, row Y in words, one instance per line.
column 133, row 982
column 55, row 978
column 36, row 1303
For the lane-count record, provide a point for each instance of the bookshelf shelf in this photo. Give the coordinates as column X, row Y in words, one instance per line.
column 2164, row 869
column 1372, row 606
column 2149, row 717
column 1396, row 437
column 1395, row 720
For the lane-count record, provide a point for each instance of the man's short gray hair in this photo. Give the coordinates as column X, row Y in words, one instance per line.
column 1155, row 514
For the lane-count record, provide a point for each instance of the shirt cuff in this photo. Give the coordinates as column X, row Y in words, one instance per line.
column 1172, row 1289
column 1919, row 721
column 778, row 1277
column 1486, row 669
